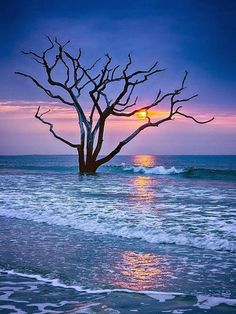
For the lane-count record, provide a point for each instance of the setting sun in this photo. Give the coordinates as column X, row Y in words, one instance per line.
column 141, row 114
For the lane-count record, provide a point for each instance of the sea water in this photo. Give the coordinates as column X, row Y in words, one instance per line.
column 146, row 234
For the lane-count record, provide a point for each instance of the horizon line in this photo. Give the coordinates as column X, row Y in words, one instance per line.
column 124, row 155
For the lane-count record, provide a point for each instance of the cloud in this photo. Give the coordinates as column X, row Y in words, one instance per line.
column 18, row 125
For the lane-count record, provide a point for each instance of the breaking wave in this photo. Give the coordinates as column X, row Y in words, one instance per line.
column 126, row 230
column 159, row 170
column 198, row 173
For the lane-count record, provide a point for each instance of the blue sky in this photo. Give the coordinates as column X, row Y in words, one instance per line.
column 195, row 35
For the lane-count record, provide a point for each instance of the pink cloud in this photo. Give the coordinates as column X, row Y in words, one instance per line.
column 18, row 124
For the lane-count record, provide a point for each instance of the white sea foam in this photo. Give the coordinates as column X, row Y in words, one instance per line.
column 207, row 302
column 158, row 170
column 161, row 297
column 203, row 301
column 153, row 234
column 139, row 208
column 12, row 308
column 57, row 283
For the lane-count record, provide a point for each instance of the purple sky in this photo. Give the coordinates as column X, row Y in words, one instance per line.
column 197, row 36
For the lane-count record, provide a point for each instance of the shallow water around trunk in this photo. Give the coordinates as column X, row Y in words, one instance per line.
column 147, row 234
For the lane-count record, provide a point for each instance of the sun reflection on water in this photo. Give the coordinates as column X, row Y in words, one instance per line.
column 144, row 160
column 143, row 188
column 143, row 184
column 142, row 271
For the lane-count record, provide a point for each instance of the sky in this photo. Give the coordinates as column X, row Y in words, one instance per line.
column 198, row 36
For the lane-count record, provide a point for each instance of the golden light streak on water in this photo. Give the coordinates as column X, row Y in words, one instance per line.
column 142, row 271
column 143, row 191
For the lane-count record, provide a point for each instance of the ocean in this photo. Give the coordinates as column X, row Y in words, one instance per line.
column 146, row 234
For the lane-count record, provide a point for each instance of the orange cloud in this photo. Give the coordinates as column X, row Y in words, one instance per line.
column 18, row 127
column 65, row 118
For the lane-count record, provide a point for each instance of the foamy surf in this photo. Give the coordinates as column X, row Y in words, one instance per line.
column 146, row 225
column 162, row 171
column 57, row 283
column 158, row 170
column 201, row 301
column 145, row 229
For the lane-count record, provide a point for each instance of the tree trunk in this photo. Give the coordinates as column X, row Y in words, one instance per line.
column 88, row 167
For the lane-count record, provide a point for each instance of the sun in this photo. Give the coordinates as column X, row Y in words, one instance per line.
column 141, row 114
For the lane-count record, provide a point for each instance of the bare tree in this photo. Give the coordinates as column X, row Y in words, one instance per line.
column 80, row 79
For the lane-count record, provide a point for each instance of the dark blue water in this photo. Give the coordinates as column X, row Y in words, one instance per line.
column 146, row 234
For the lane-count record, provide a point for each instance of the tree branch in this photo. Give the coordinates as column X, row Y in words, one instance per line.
column 170, row 116
column 47, row 91
column 39, row 117
column 194, row 119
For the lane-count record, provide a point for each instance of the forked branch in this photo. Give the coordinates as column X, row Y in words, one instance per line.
column 46, row 90
column 39, row 117
column 172, row 112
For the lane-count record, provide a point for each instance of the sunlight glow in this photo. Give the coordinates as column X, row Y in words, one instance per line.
column 142, row 271
column 144, row 160
column 143, row 191
column 141, row 114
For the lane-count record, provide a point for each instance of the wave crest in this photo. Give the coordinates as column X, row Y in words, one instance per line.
column 188, row 172
column 159, row 170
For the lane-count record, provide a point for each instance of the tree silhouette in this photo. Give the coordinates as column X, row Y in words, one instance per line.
column 79, row 79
